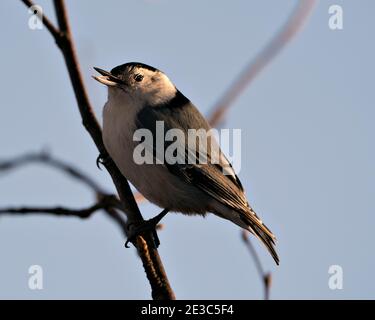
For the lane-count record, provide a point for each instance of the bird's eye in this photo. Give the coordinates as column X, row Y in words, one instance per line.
column 138, row 77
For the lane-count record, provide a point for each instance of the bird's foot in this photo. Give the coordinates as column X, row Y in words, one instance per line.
column 144, row 226
column 102, row 159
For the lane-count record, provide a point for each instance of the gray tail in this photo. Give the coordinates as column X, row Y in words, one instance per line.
column 256, row 226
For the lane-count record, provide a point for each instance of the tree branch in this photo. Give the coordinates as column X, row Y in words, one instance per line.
column 147, row 251
column 47, row 159
column 293, row 25
column 265, row 276
column 59, row 211
column 145, row 246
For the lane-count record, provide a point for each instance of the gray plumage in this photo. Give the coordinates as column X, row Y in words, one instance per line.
column 140, row 95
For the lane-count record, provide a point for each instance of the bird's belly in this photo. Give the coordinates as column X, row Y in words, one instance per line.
column 161, row 187
column 154, row 181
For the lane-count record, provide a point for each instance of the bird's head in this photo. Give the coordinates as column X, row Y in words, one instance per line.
column 141, row 83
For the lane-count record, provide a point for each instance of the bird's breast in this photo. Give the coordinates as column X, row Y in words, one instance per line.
column 154, row 181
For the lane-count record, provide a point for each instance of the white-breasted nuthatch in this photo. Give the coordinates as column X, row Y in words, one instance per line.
column 139, row 96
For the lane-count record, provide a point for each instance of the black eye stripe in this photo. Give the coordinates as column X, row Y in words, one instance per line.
column 138, row 77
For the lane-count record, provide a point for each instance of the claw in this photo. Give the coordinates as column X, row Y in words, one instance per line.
column 99, row 161
column 148, row 225
column 143, row 227
column 131, row 237
column 155, row 238
column 127, row 243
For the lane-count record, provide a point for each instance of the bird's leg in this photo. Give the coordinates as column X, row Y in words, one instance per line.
column 147, row 225
column 102, row 159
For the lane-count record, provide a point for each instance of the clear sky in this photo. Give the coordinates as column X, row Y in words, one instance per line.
column 307, row 148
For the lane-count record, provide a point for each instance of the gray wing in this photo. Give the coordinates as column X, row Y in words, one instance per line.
column 208, row 177
column 182, row 114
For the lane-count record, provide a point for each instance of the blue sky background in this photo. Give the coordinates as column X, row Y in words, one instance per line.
column 307, row 148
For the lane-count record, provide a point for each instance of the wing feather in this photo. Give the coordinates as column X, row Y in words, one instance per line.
column 208, row 177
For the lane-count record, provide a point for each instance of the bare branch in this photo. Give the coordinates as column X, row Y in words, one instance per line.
column 45, row 158
column 57, row 211
column 293, row 25
column 147, row 251
column 265, row 276
column 117, row 218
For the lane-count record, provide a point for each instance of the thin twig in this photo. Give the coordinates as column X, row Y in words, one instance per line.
column 293, row 25
column 58, row 211
column 265, row 276
column 46, row 158
column 160, row 287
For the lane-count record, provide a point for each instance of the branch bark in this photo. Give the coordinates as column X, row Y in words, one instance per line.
column 145, row 246
column 160, row 287
column 59, row 211
column 265, row 276
column 47, row 159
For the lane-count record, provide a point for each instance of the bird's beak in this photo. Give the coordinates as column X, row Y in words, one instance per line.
column 107, row 78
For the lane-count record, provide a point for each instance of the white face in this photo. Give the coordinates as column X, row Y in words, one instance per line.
column 143, row 85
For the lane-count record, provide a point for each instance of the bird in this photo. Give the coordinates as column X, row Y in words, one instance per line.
column 139, row 98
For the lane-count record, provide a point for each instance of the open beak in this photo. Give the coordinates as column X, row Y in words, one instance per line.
column 107, row 78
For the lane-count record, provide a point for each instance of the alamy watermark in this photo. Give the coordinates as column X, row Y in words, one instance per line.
column 36, row 277
column 336, row 19
column 36, row 17
column 196, row 146
column 336, row 278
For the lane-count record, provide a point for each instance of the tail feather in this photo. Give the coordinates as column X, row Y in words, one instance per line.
column 267, row 241
column 256, row 226
column 247, row 219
